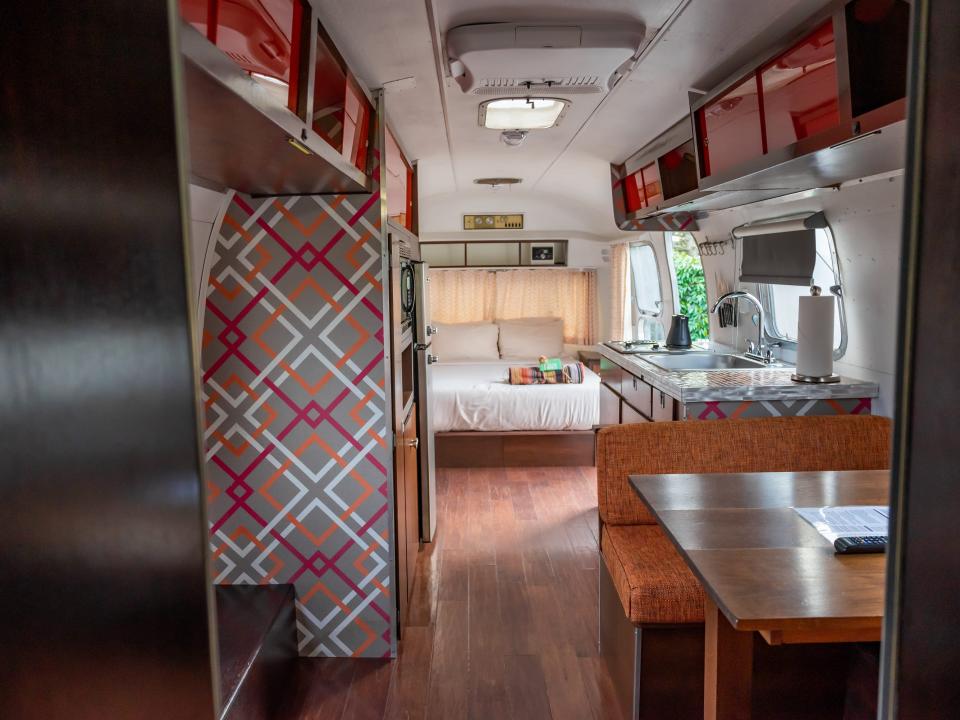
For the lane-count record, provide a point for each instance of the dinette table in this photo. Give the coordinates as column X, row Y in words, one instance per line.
column 765, row 570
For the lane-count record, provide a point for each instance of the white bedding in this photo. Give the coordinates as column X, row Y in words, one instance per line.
column 477, row 396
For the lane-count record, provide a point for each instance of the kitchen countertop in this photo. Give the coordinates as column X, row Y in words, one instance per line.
column 773, row 383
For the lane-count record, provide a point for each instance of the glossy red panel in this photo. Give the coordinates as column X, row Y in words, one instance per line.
column 399, row 184
column 800, row 94
column 257, row 35
column 196, row 13
column 357, row 116
column 729, row 128
column 633, row 192
column 652, row 190
column 329, row 93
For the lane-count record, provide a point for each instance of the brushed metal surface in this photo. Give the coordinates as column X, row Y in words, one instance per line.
column 104, row 604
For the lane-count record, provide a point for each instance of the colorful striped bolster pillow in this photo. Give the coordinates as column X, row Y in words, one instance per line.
column 573, row 373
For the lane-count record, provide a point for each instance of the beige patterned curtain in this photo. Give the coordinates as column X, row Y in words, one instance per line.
column 458, row 296
column 472, row 295
column 620, row 277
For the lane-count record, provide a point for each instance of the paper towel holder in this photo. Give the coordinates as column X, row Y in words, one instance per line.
column 815, row 379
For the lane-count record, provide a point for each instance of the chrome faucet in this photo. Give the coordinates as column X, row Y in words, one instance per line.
column 754, row 350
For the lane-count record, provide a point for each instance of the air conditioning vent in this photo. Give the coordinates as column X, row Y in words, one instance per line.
column 505, row 58
column 580, row 85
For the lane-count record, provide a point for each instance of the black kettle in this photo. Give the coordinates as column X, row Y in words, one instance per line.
column 679, row 336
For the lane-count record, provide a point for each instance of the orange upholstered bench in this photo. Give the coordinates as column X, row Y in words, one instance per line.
column 648, row 596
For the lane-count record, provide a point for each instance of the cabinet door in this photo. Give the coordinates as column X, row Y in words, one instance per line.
column 800, row 92
column 611, row 374
column 411, row 465
column 729, row 128
column 407, row 499
column 662, row 406
column 638, row 393
column 609, row 406
column 400, row 526
column 631, row 416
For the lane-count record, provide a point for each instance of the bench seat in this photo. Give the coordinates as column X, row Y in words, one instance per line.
column 654, row 583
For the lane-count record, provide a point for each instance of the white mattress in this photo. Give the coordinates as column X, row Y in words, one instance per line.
column 477, row 396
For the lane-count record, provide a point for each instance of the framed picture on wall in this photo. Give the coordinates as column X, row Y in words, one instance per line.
column 541, row 254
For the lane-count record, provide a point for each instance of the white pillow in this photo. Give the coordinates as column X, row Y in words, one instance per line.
column 529, row 338
column 465, row 341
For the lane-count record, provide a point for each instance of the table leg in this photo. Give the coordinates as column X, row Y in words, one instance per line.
column 728, row 668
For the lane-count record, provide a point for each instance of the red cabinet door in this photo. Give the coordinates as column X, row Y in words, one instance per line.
column 800, row 95
column 652, row 190
column 261, row 36
column 399, row 184
column 729, row 128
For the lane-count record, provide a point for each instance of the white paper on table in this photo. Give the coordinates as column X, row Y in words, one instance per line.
column 847, row 520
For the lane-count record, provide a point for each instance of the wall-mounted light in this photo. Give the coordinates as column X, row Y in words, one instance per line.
column 299, row 146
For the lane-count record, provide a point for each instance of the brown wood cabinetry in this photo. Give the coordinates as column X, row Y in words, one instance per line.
column 609, row 406
column 626, row 398
column 630, row 416
column 663, row 407
column 407, row 508
column 638, row 394
column 611, row 375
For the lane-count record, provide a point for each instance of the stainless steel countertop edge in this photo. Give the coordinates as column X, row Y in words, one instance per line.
column 682, row 385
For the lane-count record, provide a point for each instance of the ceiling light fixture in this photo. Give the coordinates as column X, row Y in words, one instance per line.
column 513, row 138
column 495, row 182
column 522, row 113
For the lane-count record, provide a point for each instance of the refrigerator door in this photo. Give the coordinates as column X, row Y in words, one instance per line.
column 427, row 465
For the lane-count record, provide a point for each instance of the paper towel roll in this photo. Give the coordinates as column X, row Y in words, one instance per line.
column 815, row 336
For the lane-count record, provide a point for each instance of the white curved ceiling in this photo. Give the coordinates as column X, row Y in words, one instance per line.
column 437, row 124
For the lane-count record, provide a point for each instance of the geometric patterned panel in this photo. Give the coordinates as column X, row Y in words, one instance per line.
column 296, row 428
column 734, row 409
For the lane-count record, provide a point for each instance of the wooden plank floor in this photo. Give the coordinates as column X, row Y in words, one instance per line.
column 504, row 619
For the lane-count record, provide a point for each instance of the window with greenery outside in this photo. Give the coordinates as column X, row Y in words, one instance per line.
column 691, row 285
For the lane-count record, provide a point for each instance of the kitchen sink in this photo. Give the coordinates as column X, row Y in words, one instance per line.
column 704, row 361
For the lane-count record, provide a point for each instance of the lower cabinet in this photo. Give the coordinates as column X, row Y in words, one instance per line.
column 631, row 416
column 663, row 407
column 632, row 400
column 609, row 406
column 407, row 506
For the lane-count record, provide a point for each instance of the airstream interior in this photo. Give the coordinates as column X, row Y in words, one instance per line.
column 480, row 359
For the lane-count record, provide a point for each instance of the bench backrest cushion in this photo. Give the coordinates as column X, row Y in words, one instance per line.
column 841, row 442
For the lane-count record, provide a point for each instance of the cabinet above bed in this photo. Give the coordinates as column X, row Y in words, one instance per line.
column 494, row 253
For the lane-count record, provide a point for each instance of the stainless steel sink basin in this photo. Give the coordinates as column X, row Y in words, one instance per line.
column 703, row 361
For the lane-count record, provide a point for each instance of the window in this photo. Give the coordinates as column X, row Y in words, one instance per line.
column 458, row 296
column 646, row 299
column 691, row 285
column 782, row 302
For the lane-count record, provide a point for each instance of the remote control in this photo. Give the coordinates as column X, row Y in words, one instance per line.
column 860, row 544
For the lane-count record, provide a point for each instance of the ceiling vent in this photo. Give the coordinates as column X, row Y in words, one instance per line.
column 509, row 59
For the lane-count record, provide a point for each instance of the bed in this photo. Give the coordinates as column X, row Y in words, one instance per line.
column 481, row 420
column 475, row 396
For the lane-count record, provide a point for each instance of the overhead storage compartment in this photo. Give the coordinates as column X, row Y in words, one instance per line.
column 250, row 92
column 812, row 113
column 808, row 115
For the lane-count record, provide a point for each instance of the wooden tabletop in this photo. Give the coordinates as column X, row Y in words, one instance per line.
column 764, row 567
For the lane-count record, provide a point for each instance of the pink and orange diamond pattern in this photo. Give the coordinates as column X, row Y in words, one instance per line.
column 293, row 390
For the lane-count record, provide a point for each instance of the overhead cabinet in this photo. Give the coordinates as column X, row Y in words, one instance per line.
column 824, row 106
column 400, row 184
column 265, row 118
